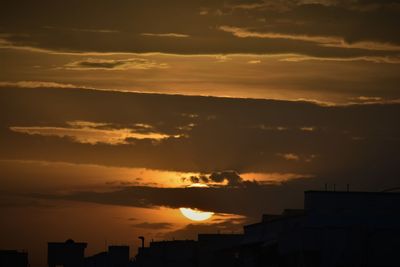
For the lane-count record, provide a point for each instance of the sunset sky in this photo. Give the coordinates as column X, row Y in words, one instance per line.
column 110, row 111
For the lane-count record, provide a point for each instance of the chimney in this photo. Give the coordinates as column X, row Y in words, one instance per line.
column 142, row 238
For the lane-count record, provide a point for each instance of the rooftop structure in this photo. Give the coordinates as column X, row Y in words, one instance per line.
column 66, row 254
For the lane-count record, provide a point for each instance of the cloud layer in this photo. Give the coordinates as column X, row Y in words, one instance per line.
column 220, row 138
column 332, row 29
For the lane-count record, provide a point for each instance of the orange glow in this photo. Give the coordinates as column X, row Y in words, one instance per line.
column 198, row 185
column 195, row 214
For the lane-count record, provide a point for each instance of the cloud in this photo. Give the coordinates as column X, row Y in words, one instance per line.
column 232, row 177
column 153, row 226
column 369, row 98
column 174, row 35
column 82, row 30
column 244, row 33
column 285, row 5
column 218, row 178
column 296, row 27
column 8, row 200
column 350, row 142
column 374, row 59
column 36, row 84
column 289, row 156
column 373, row 100
column 217, row 199
column 199, row 179
column 254, row 61
column 115, row 64
column 308, row 128
column 192, row 230
column 327, row 41
column 88, row 134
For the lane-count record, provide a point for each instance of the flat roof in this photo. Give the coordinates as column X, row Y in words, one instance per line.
column 351, row 192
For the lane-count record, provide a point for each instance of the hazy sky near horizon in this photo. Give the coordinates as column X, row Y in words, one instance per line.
column 109, row 110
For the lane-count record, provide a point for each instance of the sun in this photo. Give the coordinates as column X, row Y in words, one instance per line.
column 195, row 214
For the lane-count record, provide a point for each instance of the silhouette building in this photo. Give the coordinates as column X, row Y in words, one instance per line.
column 209, row 250
column 176, row 253
column 334, row 229
column 215, row 249
column 13, row 258
column 97, row 260
column 66, row 254
column 116, row 256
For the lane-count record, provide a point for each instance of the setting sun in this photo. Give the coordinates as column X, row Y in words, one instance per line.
column 195, row 214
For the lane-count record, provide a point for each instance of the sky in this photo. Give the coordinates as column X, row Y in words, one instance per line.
column 115, row 114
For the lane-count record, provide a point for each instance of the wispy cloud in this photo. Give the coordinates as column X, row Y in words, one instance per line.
column 91, row 133
column 290, row 156
column 82, row 30
column 155, row 226
column 170, row 34
column 115, row 64
column 374, row 59
column 327, row 41
column 37, row 84
column 257, row 61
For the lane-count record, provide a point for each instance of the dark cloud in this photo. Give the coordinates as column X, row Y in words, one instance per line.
column 154, row 226
column 353, row 144
column 111, row 64
column 192, row 230
column 197, row 26
column 194, row 179
column 199, row 179
column 232, row 177
column 244, row 135
column 249, row 201
column 8, row 200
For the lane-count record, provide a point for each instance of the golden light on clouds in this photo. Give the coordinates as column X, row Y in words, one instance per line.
column 90, row 135
column 198, row 185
